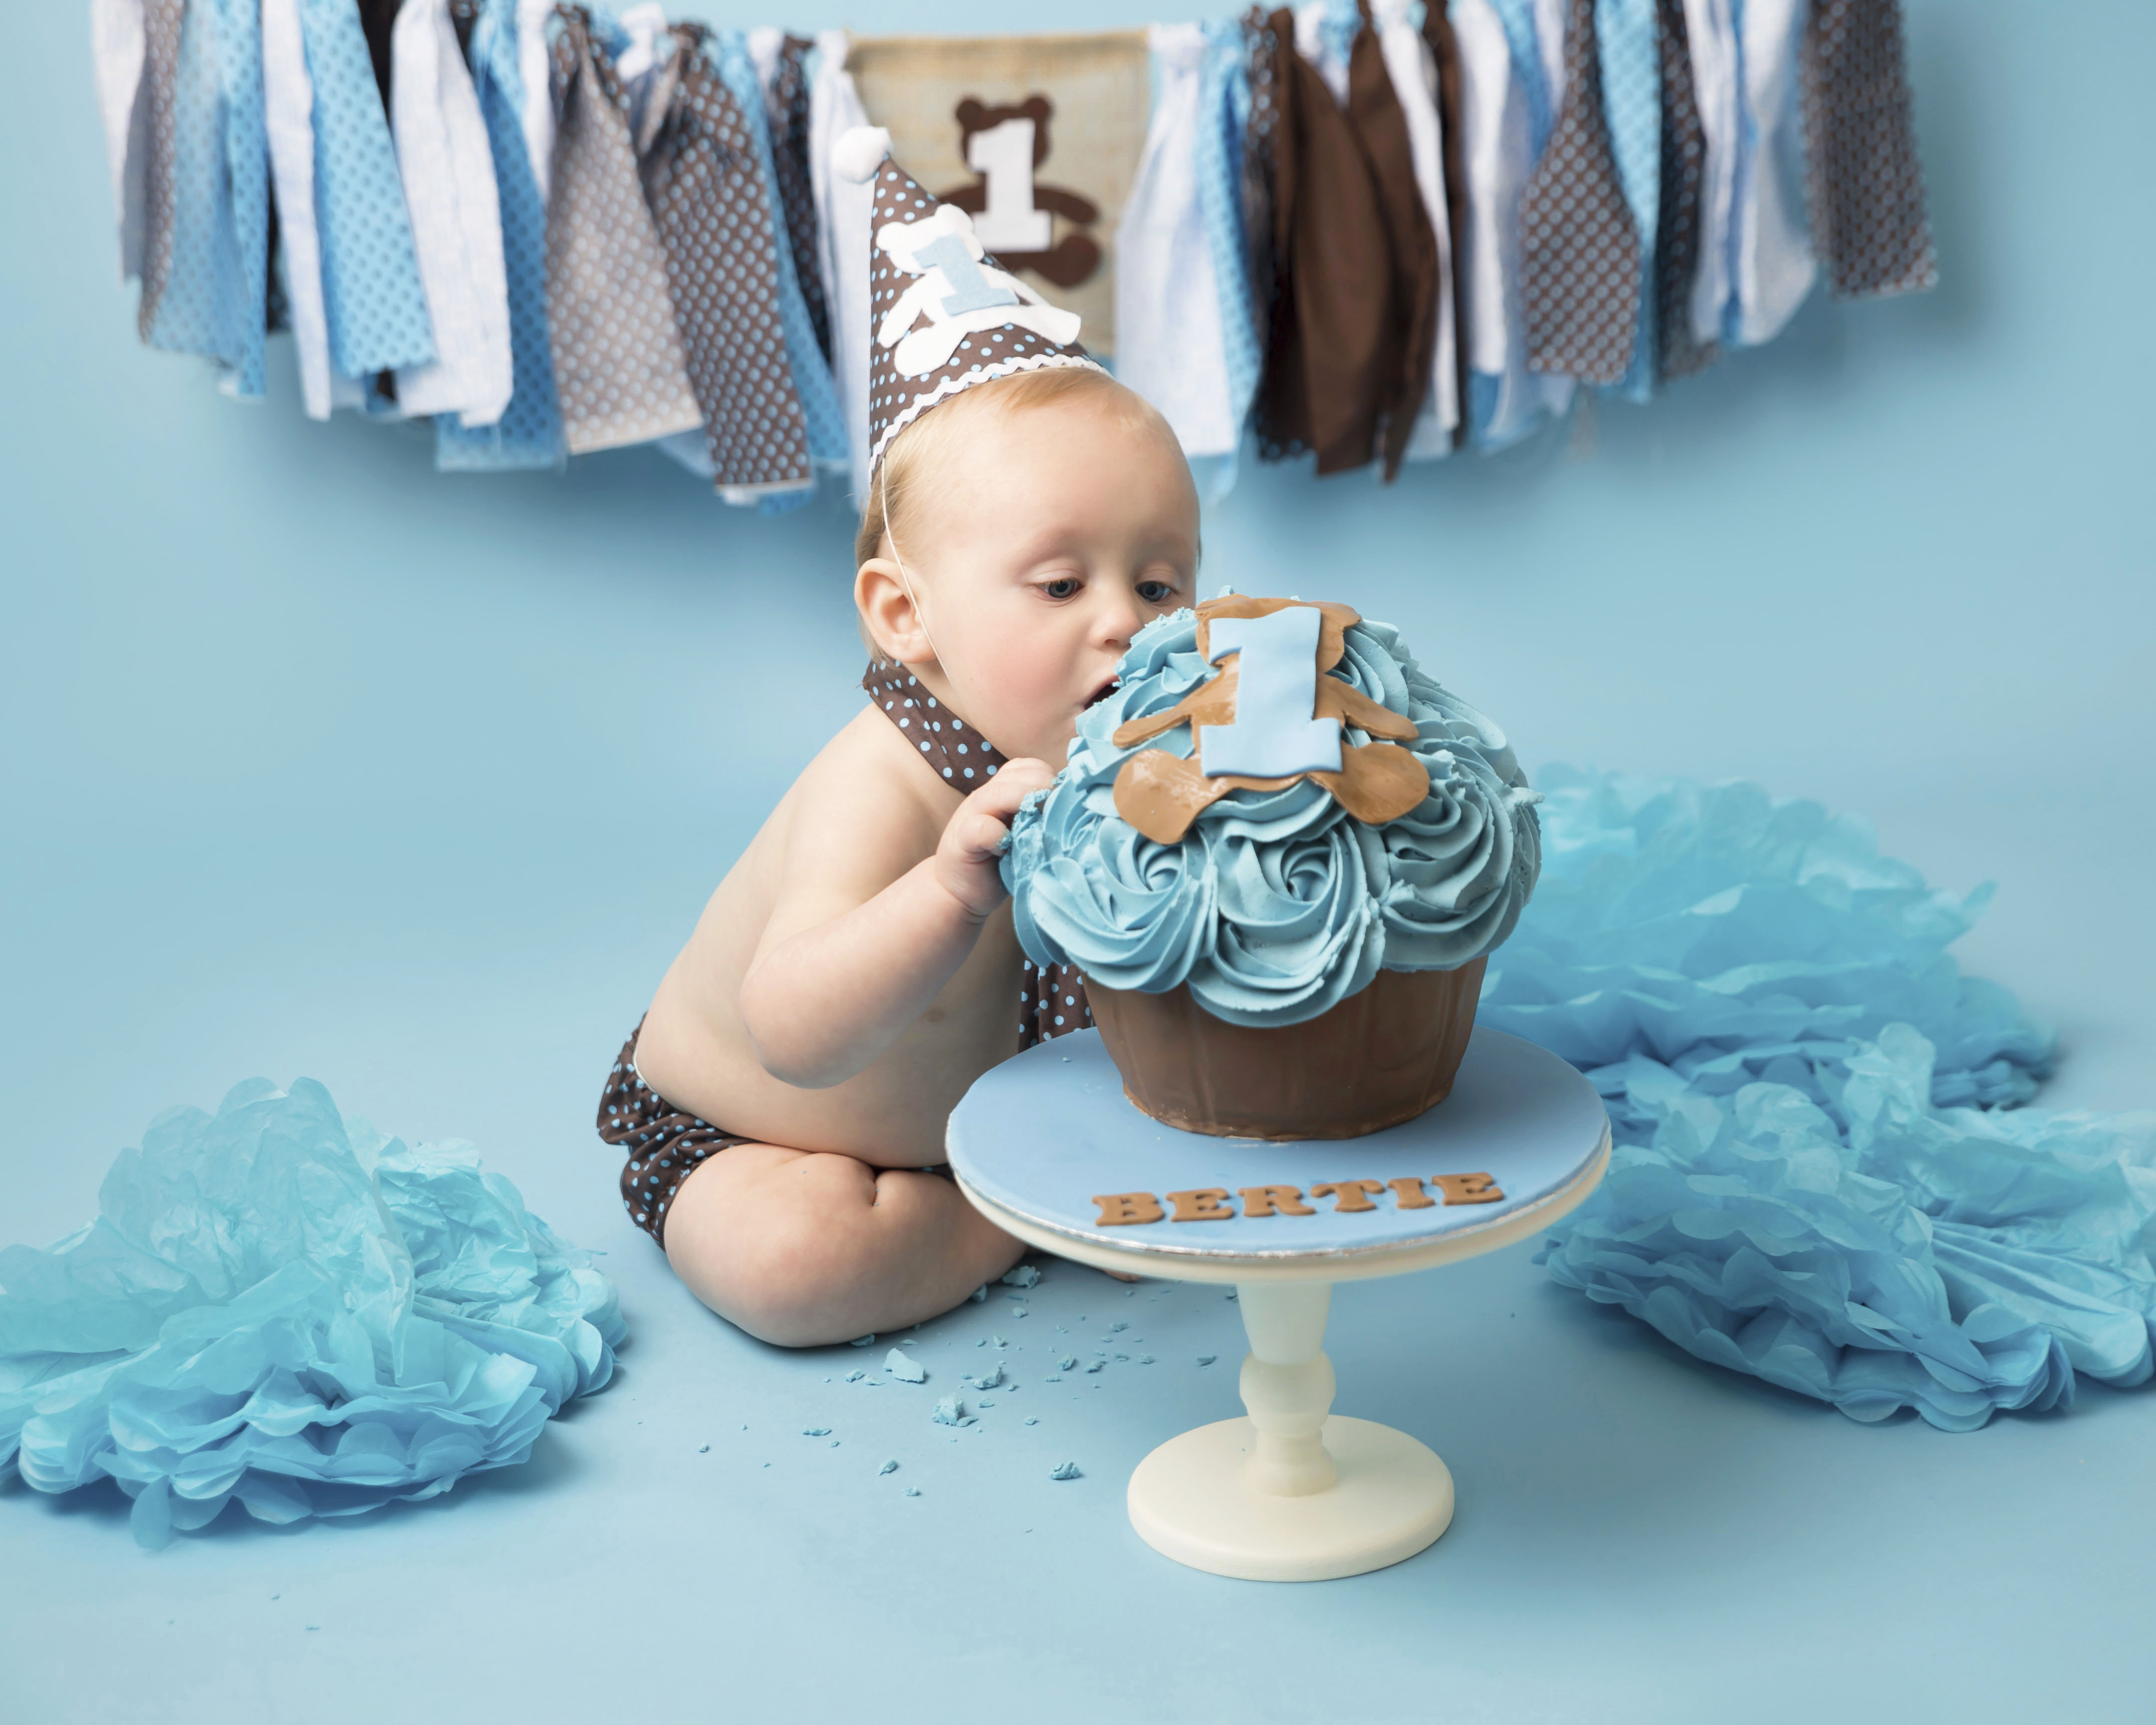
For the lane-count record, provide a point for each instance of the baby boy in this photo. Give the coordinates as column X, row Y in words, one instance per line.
column 856, row 970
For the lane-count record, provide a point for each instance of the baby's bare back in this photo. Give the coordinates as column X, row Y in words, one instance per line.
column 863, row 813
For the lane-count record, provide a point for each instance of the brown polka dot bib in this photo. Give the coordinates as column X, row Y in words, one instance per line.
column 1051, row 998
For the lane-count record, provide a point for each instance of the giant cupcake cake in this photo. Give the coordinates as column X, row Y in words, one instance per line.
column 1281, row 854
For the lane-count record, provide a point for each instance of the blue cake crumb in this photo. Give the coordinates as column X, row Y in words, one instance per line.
column 1145, row 1359
column 1051, row 1379
column 980, row 1294
column 1025, row 1275
column 861, row 1341
column 815, row 1431
column 1207, row 1359
column 888, row 1467
column 703, row 1449
column 1095, row 1365
column 1118, row 1325
column 905, row 1368
column 950, row 1411
column 913, row 1490
column 989, row 1379
column 1030, row 1420
column 1069, row 1362
column 1065, row 1470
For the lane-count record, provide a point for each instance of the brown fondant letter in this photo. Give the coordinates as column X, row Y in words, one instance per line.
column 1205, row 1204
column 1349, row 1194
column 1118, row 1208
column 1468, row 1189
column 1409, row 1192
column 1274, row 1201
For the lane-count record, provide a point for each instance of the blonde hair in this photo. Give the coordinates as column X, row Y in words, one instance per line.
column 905, row 482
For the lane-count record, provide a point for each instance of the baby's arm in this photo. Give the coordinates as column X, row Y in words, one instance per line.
column 847, row 962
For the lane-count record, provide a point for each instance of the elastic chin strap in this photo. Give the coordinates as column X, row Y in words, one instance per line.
column 883, row 500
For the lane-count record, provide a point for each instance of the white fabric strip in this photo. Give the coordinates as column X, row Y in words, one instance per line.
column 844, row 213
column 1311, row 43
column 288, row 112
column 448, row 171
column 1773, row 263
column 1551, row 17
column 1497, row 148
column 765, row 43
column 116, row 42
column 1413, row 71
column 1712, row 42
column 1169, row 345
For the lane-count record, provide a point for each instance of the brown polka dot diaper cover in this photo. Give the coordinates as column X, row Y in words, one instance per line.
column 665, row 1144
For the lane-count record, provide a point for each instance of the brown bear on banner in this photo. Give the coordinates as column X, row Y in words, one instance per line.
column 984, row 115
column 1005, row 145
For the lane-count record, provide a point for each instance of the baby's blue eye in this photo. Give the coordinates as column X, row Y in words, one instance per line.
column 1155, row 592
column 1062, row 587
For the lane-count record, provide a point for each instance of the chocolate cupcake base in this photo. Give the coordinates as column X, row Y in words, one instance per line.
column 1379, row 1057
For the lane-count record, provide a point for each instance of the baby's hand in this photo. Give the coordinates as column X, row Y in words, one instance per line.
column 967, row 859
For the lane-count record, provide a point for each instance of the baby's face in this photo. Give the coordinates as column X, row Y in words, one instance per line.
column 1057, row 532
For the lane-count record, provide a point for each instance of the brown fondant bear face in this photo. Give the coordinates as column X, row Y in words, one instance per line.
column 1161, row 795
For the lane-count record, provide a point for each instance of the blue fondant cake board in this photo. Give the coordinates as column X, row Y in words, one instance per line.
column 1045, row 1134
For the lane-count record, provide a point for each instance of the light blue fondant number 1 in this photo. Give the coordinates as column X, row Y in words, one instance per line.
column 1275, row 734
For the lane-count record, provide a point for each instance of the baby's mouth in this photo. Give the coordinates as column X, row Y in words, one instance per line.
column 1101, row 693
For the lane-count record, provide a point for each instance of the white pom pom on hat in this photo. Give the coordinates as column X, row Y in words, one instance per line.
column 859, row 150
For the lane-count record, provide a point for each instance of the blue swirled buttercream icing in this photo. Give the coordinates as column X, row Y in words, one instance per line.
column 1276, row 904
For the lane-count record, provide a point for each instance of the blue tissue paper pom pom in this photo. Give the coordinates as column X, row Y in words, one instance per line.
column 1881, row 1253
column 1801, row 1188
column 279, row 1305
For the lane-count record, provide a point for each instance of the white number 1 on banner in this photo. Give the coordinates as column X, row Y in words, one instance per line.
column 1003, row 155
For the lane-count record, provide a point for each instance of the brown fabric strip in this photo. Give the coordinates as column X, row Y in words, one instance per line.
column 618, row 360
column 1408, row 338
column 1445, row 49
column 1677, row 352
column 1332, row 359
column 1580, row 251
column 1867, row 184
column 797, row 198
column 161, row 69
column 378, row 20
column 703, row 178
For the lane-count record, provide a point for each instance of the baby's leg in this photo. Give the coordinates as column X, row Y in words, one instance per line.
column 801, row 1248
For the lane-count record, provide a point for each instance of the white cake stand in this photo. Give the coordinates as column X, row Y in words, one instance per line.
column 1291, row 1492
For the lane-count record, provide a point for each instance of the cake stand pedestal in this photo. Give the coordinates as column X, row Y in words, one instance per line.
column 1048, row 1148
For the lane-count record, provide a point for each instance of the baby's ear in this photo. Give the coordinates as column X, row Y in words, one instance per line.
column 889, row 622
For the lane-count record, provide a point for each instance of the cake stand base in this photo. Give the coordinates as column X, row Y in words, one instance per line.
column 1393, row 1496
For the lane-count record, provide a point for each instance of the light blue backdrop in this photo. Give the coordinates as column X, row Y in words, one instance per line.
column 311, row 761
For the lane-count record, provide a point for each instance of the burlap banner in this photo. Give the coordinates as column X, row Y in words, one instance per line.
column 1038, row 137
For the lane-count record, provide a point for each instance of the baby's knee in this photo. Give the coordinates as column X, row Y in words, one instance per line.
column 775, row 1250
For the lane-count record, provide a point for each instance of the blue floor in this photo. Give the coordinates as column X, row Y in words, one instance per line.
column 312, row 763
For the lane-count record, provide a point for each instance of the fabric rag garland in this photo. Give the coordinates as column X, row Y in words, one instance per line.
column 1373, row 231
column 279, row 1304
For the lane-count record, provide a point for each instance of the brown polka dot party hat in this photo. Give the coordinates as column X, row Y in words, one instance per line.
column 943, row 314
